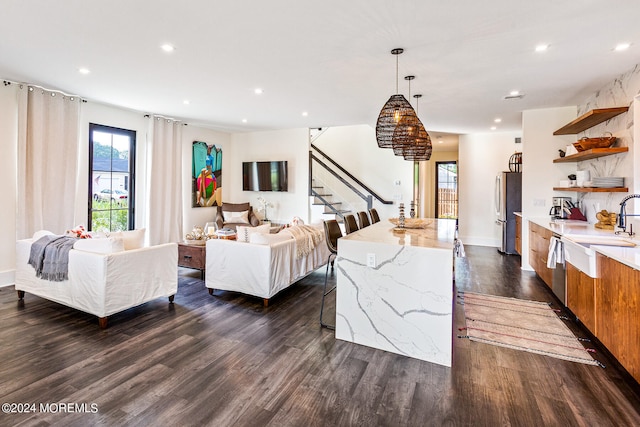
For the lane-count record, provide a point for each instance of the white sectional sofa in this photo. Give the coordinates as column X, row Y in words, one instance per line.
column 106, row 276
column 261, row 267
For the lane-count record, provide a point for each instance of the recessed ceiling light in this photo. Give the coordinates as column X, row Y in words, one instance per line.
column 305, row 114
column 497, row 120
column 440, row 141
column 185, row 102
column 167, row 47
column 622, row 46
column 514, row 93
column 493, row 128
column 244, row 120
column 83, row 70
column 542, row 47
column 258, row 91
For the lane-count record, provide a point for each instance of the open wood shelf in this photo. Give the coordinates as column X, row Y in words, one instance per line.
column 590, row 119
column 593, row 189
column 591, row 154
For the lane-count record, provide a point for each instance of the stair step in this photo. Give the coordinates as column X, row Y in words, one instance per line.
column 326, row 204
column 323, row 195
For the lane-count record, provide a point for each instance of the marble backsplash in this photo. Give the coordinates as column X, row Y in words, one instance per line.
column 620, row 92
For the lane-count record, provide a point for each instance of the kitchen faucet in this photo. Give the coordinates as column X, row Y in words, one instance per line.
column 623, row 214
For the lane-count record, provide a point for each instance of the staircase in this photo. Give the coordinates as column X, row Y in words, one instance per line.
column 333, row 190
column 330, row 207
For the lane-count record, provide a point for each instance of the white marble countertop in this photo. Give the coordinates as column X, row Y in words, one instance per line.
column 627, row 255
column 437, row 234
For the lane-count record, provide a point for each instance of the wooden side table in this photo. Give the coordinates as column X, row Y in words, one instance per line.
column 192, row 256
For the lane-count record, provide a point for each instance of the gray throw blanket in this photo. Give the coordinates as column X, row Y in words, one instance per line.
column 50, row 257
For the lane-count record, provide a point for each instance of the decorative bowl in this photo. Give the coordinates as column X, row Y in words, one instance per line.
column 412, row 222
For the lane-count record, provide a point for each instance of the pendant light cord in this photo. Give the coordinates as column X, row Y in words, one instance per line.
column 397, row 90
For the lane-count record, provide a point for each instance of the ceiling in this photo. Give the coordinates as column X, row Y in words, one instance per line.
column 328, row 58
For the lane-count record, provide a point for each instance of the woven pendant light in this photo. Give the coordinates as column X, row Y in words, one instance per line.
column 421, row 151
column 410, row 138
column 392, row 112
column 407, row 129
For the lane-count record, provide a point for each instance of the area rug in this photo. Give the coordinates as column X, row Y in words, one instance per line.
column 530, row 326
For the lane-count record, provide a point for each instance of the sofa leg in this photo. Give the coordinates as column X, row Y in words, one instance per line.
column 265, row 302
column 211, row 291
column 20, row 294
column 171, row 297
column 102, row 322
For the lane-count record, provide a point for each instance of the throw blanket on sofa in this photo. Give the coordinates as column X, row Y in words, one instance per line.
column 50, row 257
column 306, row 237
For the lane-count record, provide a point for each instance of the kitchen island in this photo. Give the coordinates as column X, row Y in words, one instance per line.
column 395, row 289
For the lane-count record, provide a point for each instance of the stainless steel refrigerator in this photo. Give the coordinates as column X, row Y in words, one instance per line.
column 508, row 199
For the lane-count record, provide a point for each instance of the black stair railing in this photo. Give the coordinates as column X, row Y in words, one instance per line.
column 340, row 176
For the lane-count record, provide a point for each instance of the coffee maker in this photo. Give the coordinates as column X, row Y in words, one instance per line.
column 560, row 207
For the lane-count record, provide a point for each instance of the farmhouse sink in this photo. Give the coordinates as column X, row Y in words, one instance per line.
column 577, row 250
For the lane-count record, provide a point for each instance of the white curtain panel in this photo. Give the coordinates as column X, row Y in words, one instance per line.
column 47, row 161
column 164, row 195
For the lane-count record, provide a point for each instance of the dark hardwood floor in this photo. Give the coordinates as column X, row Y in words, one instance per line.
column 225, row 360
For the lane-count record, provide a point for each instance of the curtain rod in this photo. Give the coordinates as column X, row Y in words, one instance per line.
column 8, row 82
column 160, row 116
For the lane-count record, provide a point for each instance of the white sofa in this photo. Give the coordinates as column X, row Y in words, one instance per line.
column 261, row 267
column 104, row 278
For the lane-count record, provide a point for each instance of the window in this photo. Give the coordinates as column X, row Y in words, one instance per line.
column 111, row 178
column 446, row 190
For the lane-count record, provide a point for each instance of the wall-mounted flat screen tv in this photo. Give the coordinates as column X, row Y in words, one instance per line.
column 265, row 176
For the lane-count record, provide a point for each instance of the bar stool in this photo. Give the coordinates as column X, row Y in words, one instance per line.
column 332, row 233
column 364, row 219
column 373, row 213
column 350, row 224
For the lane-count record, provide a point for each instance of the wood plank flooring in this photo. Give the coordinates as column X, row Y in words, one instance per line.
column 225, row 360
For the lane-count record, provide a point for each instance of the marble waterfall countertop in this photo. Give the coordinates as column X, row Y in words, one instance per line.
column 629, row 256
column 395, row 289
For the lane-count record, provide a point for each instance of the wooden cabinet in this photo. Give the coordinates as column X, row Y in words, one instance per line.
column 519, row 234
column 581, row 296
column 539, row 238
column 617, row 300
column 192, row 256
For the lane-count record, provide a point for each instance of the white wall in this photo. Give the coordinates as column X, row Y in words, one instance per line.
column 481, row 158
column 8, row 164
column 540, row 174
column 291, row 145
column 355, row 148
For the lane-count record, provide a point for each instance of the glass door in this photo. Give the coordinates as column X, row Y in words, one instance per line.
column 447, row 190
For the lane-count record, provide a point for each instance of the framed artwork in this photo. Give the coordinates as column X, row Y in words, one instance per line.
column 206, row 175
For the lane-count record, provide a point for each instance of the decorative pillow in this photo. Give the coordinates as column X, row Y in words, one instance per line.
column 268, row 239
column 236, row 217
column 133, row 239
column 244, row 233
column 107, row 245
column 40, row 234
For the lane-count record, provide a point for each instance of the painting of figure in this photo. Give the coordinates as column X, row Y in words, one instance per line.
column 206, row 174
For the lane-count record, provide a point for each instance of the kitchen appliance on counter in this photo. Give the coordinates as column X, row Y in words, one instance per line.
column 561, row 207
column 508, row 199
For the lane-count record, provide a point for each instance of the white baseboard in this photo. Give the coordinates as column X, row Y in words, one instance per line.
column 7, row 278
column 480, row 241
